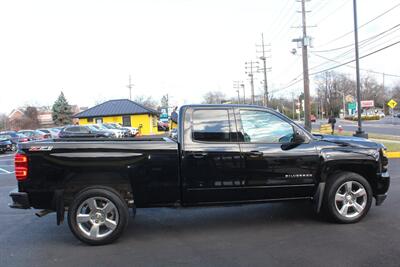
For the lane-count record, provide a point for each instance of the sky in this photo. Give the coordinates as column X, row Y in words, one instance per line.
column 185, row 48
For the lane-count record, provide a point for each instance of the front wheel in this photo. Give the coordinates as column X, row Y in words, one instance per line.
column 98, row 215
column 348, row 197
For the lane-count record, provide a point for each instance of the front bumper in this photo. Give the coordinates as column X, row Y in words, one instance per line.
column 382, row 186
column 20, row 200
column 380, row 198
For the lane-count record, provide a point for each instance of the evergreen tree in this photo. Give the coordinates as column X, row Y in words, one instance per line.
column 61, row 111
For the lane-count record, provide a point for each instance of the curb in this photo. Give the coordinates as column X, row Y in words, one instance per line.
column 393, row 155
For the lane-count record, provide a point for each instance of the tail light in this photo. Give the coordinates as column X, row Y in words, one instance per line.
column 21, row 166
column 24, row 140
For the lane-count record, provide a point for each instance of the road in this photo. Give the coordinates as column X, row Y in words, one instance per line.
column 385, row 126
column 275, row 234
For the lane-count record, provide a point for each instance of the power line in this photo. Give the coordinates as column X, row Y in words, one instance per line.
column 365, row 43
column 295, row 81
column 362, row 25
column 334, row 11
column 376, row 72
column 362, row 42
column 350, row 61
column 276, row 31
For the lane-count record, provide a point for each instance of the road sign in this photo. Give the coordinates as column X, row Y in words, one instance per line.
column 352, row 105
column 392, row 103
column 349, row 98
column 367, row 104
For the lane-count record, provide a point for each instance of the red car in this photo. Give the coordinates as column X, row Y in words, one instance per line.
column 313, row 118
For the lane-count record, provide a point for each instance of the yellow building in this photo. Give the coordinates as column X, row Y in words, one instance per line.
column 124, row 112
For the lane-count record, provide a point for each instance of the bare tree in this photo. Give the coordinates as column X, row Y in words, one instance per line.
column 213, row 97
column 331, row 87
column 3, row 121
column 146, row 101
column 371, row 90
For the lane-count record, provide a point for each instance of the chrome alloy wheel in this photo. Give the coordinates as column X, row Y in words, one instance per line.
column 351, row 199
column 97, row 217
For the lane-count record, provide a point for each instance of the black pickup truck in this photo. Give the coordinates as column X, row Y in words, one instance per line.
column 223, row 154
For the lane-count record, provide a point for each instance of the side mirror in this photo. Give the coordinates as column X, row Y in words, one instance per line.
column 298, row 138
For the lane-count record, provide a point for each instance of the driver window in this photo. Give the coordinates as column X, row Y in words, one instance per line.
column 264, row 127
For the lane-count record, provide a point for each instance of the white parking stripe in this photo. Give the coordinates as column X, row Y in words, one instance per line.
column 7, row 155
column 1, row 169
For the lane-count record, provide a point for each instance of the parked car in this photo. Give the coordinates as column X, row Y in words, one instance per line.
column 101, row 127
column 118, row 132
column 83, row 131
column 35, row 134
column 5, row 144
column 313, row 118
column 15, row 138
column 224, row 154
column 52, row 131
column 132, row 130
column 124, row 132
column 162, row 126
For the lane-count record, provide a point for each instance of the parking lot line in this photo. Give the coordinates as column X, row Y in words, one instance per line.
column 1, row 169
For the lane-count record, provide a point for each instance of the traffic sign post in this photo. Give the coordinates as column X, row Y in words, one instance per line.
column 392, row 104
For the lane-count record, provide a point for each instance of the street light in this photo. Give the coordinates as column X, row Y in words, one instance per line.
column 359, row 132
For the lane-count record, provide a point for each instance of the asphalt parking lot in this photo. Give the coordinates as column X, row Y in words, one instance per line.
column 273, row 234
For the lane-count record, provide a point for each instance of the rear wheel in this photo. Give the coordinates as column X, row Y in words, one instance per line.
column 98, row 215
column 348, row 197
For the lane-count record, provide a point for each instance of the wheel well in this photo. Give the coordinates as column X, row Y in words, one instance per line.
column 77, row 182
column 366, row 171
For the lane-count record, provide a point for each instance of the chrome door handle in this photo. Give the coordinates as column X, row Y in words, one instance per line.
column 199, row 155
column 256, row 154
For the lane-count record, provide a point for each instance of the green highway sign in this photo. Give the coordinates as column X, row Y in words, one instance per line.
column 352, row 105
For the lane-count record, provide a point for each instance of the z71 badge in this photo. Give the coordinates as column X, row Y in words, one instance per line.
column 40, row 148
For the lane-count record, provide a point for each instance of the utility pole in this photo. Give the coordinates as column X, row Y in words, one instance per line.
column 344, row 105
column 251, row 65
column 264, row 59
column 237, row 85
column 306, row 79
column 130, row 85
column 293, row 105
column 359, row 132
column 244, row 93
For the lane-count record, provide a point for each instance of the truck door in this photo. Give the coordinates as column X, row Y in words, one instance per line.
column 270, row 170
column 211, row 159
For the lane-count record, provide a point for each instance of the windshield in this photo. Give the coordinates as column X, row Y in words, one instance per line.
column 109, row 126
column 116, row 125
column 92, row 128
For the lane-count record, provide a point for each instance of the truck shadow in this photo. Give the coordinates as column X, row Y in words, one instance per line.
column 154, row 221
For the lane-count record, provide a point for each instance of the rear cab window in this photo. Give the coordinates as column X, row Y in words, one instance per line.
column 211, row 125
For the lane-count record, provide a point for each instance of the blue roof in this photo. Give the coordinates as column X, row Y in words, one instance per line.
column 116, row 107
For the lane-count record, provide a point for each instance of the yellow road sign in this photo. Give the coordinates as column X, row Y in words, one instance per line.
column 392, row 103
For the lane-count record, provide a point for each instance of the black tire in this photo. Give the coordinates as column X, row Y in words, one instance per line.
column 337, row 196
column 119, row 215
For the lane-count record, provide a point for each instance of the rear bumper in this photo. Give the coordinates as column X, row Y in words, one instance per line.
column 20, row 200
